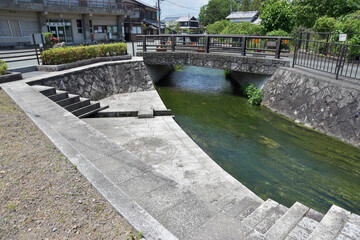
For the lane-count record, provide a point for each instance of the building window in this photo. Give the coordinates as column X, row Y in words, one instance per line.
column 136, row 14
column 79, row 26
column 5, row 28
column 136, row 30
column 29, row 27
column 153, row 15
column 91, row 26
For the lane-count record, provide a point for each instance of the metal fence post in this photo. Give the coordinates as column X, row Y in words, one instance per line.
column 243, row 50
column 278, row 48
column 36, row 51
column 307, row 41
column 295, row 53
column 207, row 44
column 172, row 43
column 144, row 43
column 340, row 60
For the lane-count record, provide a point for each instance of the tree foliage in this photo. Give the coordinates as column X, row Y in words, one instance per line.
column 308, row 11
column 215, row 10
column 243, row 28
column 173, row 26
column 324, row 24
column 277, row 15
column 217, row 27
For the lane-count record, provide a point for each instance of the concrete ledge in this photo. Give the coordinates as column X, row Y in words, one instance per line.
column 10, row 76
column 53, row 68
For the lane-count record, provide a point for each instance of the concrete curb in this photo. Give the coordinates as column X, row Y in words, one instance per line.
column 10, row 76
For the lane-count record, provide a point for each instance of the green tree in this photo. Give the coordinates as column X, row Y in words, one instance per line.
column 173, row 26
column 217, row 27
column 308, row 11
column 215, row 10
column 324, row 24
column 243, row 28
column 277, row 15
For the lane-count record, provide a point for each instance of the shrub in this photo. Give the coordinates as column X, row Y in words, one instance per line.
column 253, row 93
column 3, row 67
column 243, row 28
column 279, row 32
column 324, row 24
column 57, row 56
column 217, row 27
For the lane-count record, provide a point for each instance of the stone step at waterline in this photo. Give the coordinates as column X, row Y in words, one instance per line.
column 332, row 224
column 80, row 107
column 260, row 213
column 287, row 222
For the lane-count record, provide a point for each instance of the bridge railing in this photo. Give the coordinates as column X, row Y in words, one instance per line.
column 337, row 58
column 206, row 43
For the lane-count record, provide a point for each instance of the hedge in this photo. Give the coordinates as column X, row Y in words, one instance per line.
column 56, row 56
column 3, row 67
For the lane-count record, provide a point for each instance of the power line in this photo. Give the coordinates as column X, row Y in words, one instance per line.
column 167, row 1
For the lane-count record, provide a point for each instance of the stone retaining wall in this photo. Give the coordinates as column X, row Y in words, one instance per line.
column 325, row 104
column 102, row 80
column 226, row 61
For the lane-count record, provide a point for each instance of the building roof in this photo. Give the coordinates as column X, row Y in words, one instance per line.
column 154, row 23
column 169, row 19
column 243, row 15
column 142, row 3
column 186, row 19
column 257, row 21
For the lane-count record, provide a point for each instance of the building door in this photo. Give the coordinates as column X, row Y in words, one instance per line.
column 61, row 29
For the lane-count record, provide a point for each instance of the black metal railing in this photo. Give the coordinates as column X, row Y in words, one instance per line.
column 240, row 44
column 326, row 37
column 337, row 58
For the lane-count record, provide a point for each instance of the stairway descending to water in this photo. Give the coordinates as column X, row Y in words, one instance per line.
column 80, row 107
column 273, row 221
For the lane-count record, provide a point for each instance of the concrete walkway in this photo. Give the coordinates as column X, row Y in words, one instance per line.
column 163, row 183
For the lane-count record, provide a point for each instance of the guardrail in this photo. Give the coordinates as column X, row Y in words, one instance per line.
column 337, row 58
column 255, row 45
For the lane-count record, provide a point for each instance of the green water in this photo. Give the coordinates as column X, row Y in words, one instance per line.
column 271, row 155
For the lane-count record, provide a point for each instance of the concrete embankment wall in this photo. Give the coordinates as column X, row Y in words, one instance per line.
column 323, row 103
column 102, row 80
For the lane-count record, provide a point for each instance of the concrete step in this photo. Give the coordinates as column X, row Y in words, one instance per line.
column 332, row 223
column 287, row 222
column 68, row 101
column 86, row 109
column 45, row 90
column 351, row 229
column 274, row 215
column 59, row 96
column 93, row 112
column 260, row 213
column 81, row 104
column 146, row 112
column 303, row 229
column 243, row 208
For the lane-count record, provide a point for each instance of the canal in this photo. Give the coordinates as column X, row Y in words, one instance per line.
column 271, row 155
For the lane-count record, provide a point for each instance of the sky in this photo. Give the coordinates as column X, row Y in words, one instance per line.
column 177, row 8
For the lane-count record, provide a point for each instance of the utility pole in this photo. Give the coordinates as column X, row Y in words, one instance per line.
column 231, row 6
column 159, row 17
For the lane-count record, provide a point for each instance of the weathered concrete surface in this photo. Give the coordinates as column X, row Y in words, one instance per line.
column 325, row 104
column 101, row 80
column 226, row 61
